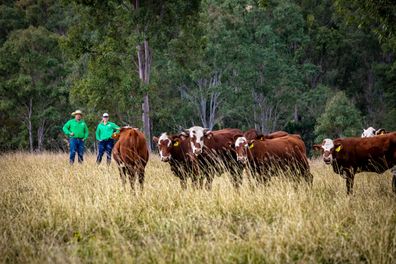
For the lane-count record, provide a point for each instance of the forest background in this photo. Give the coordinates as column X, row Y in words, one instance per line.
column 316, row 68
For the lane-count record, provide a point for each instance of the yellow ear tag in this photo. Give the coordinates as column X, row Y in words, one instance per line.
column 338, row 149
column 251, row 145
column 176, row 144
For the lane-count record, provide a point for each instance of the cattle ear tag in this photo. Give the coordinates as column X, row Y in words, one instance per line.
column 338, row 148
column 251, row 145
column 176, row 144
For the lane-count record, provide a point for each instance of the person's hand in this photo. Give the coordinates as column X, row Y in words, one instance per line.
column 71, row 134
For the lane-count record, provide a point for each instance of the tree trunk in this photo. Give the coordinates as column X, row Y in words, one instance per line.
column 28, row 119
column 144, row 58
column 40, row 135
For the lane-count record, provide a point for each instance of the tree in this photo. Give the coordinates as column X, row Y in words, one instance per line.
column 340, row 119
column 32, row 75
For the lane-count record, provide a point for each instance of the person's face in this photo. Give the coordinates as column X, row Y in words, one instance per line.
column 78, row 117
column 105, row 119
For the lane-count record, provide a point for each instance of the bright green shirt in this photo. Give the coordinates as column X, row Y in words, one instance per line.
column 104, row 132
column 79, row 128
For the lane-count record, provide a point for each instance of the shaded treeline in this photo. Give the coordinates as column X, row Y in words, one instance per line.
column 318, row 68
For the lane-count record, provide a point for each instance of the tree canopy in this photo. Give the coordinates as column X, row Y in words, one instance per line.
column 320, row 69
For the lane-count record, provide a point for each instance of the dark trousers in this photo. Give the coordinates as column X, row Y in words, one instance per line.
column 76, row 145
column 105, row 145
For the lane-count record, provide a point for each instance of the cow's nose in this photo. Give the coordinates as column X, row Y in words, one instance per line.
column 327, row 160
column 241, row 159
column 197, row 152
column 165, row 159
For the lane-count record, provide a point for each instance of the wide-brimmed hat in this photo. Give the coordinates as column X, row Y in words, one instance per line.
column 105, row 115
column 77, row 112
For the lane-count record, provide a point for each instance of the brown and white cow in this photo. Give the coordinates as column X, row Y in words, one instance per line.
column 214, row 153
column 131, row 155
column 275, row 156
column 349, row 156
column 371, row 132
column 176, row 150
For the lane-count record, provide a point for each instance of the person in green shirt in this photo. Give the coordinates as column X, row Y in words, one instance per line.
column 104, row 134
column 77, row 131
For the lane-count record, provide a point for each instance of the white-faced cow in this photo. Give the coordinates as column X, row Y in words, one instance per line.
column 283, row 155
column 349, row 156
column 371, row 132
column 214, row 154
column 176, row 150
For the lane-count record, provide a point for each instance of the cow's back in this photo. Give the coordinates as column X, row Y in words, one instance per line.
column 280, row 151
column 375, row 154
column 131, row 148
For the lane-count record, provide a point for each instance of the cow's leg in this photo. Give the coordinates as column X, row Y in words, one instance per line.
column 350, row 176
column 209, row 181
column 141, row 178
column 123, row 172
column 183, row 182
column 308, row 177
column 132, row 178
column 394, row 179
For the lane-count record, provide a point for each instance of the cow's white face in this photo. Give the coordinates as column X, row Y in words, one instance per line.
column 197, row 135
column 369, row 132
column 241, row 145
column 327, row 146
column 164, row 145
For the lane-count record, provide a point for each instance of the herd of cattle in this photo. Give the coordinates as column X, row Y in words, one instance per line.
column 200, row 154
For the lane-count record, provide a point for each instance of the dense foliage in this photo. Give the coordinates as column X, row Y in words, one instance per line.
column 318, row 68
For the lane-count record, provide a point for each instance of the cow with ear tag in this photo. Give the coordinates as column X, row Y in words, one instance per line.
column 175, row 149
column 349, row 156
column 213, row 153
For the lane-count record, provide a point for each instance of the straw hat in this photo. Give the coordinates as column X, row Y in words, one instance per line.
column 77, row 112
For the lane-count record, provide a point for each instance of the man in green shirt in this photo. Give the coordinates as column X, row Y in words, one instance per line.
column 77, row 131
column 104, row 134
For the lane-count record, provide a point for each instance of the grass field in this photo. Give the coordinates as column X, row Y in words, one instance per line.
column 52, row 212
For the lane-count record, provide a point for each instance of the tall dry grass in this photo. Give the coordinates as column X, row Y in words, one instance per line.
column 52, row 212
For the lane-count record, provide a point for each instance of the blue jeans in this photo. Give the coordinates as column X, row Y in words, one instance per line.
column 76, row 145
column 105, row 145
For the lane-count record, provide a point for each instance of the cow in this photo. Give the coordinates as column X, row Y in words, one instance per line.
column 254, row 134
column 214, row 153
column 176, row 150
column 371, row 132
column 131, row 155
column 265, row 157
column 349, row 156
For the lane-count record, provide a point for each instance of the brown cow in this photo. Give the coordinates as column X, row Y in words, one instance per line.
column 176, row 150
column 254, row 134
column 349, row 156
column 131, row 155
column 371, row 132
column 214, row 153
column 267, row 157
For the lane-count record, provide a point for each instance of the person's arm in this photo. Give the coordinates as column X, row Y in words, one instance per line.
column 66, row 128
column 115, row 127
column 98, row 133
column 86, row 132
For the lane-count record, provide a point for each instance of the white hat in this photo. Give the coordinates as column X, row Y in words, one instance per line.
column 105, row 115
column 77, row 112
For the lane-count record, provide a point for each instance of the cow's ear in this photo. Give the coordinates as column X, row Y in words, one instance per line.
column 176, row 142
column 155, row 140
column 251, row 143
column 185, row 133
column 337, row 147
column 317, row 147
column 209, row 134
